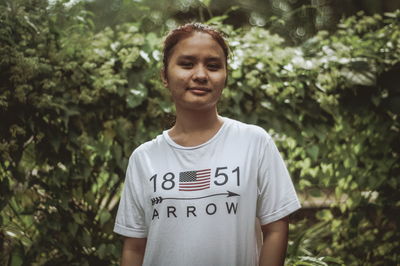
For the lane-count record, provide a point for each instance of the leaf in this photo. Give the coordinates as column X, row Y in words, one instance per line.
column 78, row 218
column 72, row 228
column 16, row 259
column 102, row 251
column 333, row 260
column 325, row 215
column 136, row 96
column 315, row 192
column 205, row 2
column 313, row 260
column 104, row 217
column 313, row 151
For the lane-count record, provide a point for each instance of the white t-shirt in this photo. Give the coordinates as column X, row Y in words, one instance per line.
column 198, row 205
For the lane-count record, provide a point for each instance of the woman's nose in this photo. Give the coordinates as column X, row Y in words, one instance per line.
column 200, row 74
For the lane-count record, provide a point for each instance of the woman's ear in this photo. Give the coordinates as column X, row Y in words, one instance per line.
column 164, row 77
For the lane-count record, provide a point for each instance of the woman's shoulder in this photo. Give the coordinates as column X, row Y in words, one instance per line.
column 154, row 145
column 246, row 129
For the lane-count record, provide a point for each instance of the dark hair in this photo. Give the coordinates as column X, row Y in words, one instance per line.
column 184, row 31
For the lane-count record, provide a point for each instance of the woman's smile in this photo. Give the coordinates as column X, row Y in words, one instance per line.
column 199, row 90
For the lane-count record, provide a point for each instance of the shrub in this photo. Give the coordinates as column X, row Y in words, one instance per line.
column 75, row 103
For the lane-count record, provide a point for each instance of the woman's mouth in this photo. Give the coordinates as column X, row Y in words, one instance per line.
column 199, row 90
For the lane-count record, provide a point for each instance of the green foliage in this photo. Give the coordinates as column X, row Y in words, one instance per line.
column 73, row 107
column 75, row 103
column 335, row 105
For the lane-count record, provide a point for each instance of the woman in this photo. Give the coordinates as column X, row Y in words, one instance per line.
column 193, row 195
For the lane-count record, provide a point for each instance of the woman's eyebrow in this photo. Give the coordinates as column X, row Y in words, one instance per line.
column 214, row 58
column 187, row 57
column 191, row 57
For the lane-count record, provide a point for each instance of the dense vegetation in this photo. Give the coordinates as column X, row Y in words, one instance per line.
column 75, row 102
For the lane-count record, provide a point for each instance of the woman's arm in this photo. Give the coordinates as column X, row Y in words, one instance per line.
column 275, row 242
column 133, row 251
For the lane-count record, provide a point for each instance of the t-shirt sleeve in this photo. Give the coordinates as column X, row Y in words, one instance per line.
column 276, row 194
column 130, row 220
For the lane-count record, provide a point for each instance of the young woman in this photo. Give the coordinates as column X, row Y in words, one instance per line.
column 195, row 193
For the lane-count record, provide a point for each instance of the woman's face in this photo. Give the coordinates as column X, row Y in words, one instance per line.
column 196, row 72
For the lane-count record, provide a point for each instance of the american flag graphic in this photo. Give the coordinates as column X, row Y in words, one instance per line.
column 194, row 180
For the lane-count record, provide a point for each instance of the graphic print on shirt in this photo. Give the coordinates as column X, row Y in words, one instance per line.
column 160, row 199
column 194, row 180
column 187, row 182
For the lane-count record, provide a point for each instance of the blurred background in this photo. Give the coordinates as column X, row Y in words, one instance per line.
column 80, row 90
column 295, row 20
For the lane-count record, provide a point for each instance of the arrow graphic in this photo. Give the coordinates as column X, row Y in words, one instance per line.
column 160, row 199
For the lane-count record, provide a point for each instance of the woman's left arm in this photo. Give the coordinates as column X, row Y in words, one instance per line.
column 275, row 242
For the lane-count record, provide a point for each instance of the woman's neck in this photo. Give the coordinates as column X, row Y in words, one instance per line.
column 193, row 128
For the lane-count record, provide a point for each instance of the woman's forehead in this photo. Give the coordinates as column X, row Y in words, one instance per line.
column 198, row 44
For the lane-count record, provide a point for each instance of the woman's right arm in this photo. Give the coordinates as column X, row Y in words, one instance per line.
column 133, row 251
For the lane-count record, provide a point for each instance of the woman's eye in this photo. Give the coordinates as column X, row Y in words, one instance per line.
column 214, row 66
column 186, row 64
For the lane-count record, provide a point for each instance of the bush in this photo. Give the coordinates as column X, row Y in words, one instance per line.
column 75, row 103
